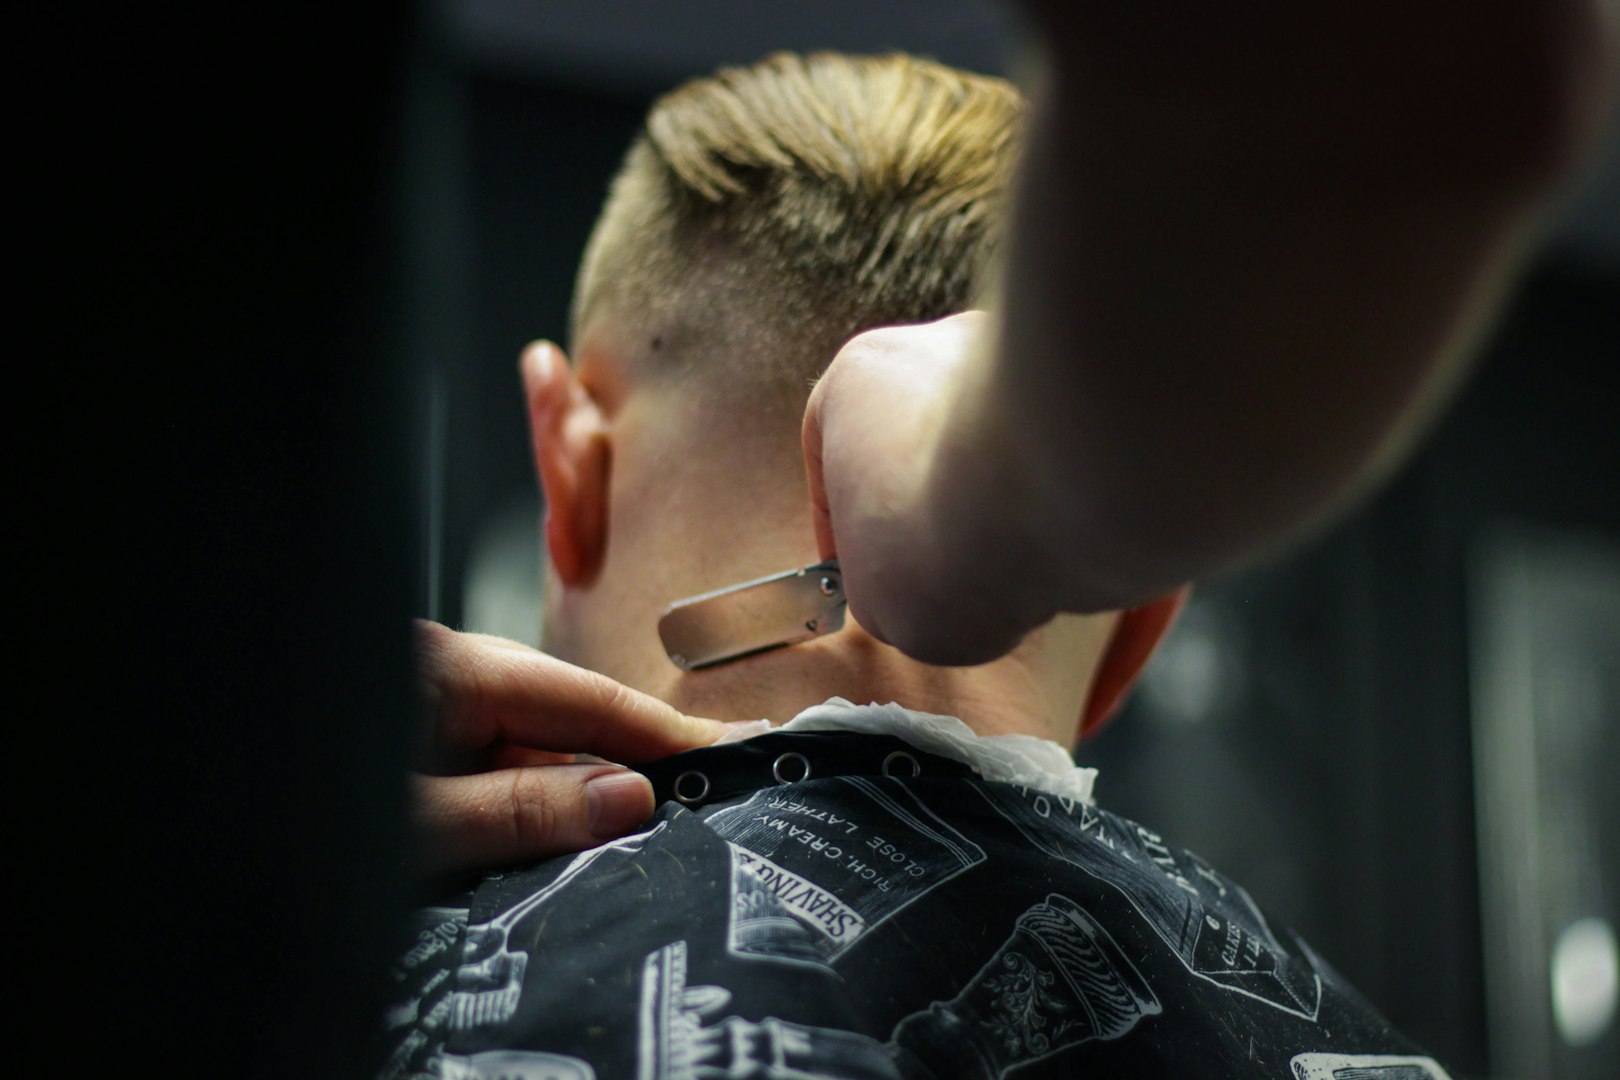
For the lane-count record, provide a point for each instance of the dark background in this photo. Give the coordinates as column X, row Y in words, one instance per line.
column 289, row 267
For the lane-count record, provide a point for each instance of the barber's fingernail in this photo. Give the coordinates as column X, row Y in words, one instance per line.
column 543, row 358
column 617, row 802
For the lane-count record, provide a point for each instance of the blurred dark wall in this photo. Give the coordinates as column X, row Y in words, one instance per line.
column 1336, row 779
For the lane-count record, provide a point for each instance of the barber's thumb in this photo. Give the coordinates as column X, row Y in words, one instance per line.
column 616, row 802
column 508, row 816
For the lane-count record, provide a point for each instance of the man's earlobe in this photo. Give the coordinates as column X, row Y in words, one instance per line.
column 571, row 454
column 1137, row 632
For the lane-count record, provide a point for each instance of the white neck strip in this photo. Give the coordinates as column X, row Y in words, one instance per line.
column 1013, row 759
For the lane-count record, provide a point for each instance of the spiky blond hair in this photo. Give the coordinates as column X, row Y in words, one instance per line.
column 766, row 214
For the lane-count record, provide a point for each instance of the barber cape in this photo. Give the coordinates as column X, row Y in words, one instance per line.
column 870, row 892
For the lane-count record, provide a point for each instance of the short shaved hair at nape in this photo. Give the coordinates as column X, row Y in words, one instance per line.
column 767, row 214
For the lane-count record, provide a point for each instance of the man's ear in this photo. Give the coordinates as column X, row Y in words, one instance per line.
column 1137, row 632
column 571, row 454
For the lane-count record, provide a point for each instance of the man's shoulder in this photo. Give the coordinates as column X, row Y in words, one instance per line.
column 855, row 923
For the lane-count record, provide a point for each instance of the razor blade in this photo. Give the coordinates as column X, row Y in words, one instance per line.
column 754, row 617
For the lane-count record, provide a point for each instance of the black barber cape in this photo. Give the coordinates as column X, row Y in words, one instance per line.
column 866, row 922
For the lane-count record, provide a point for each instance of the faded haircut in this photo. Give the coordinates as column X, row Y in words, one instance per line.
column 766, row 214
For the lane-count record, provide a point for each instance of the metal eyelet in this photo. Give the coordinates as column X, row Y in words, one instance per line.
column 683, row 791
column 899, row 756
column 776, row 768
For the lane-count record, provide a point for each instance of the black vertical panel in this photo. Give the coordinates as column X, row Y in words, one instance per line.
column 1418, row 737
column 219, row 529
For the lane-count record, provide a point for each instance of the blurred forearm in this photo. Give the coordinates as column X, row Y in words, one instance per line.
column 1250, row 253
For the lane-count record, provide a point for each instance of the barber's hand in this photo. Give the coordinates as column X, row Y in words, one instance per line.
column 501, row 783
column 909, row 503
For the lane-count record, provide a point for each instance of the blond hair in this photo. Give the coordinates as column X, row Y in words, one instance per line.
column 766, row 214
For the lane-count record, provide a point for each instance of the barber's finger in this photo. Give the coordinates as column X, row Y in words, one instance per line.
column 466, row 823
column 505, row 755
column 492, row 690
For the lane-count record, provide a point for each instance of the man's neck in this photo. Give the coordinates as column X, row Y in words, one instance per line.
column 1040, row 688
column 1004, row 697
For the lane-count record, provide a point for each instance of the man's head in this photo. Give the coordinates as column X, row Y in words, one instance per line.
column 763, row 217
column 767, row 214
